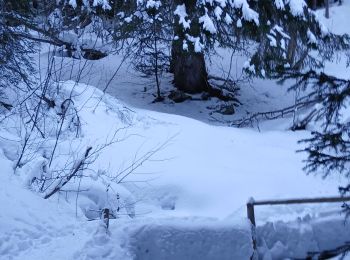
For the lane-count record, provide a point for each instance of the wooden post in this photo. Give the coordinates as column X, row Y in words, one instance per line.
column 251, row 217
column 250, row 213
column 105, row 215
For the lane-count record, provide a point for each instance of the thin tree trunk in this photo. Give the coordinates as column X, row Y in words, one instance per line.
column 156, row 60
column 292, row 45
column 327, row 8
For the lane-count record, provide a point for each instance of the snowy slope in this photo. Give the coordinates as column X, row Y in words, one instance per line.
column 32, row 228
column 203, row 170
column 205, row 173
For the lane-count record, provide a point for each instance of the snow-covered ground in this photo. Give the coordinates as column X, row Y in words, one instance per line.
column 188, row 199
column 200, row 182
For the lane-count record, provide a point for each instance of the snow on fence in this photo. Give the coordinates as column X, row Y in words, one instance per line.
column 251, row 203
column 209, row 239
column 195, row 239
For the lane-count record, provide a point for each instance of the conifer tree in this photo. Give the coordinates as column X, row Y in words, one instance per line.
column 280, row 33
column 275, row 35
column 15, row 50
column 328, row 147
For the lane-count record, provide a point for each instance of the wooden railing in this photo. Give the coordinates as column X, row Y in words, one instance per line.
column 251, row 203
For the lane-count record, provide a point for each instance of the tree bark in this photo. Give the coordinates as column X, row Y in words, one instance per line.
column 327, row 8
column 292, row 45
column 190, row 74
column 188, row 66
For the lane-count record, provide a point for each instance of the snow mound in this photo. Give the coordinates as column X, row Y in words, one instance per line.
column 296, row 239
column 194, row 239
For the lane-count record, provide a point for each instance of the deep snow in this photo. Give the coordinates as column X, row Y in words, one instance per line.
column 194, row 187
column 189, row 198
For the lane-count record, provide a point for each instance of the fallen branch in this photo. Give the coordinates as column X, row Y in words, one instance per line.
column 275, row 114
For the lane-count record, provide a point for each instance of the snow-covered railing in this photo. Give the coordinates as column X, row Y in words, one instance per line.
column 251, row 203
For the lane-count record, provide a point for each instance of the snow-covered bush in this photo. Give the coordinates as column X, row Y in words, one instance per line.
column 52, row 154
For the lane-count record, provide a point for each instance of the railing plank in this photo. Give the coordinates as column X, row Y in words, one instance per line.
column 300, row 201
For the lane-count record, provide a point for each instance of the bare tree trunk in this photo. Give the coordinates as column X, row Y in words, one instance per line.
column 327, row 8
column 314, row 4
column 156, row 61
column 188, row 66
column 292, row 45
